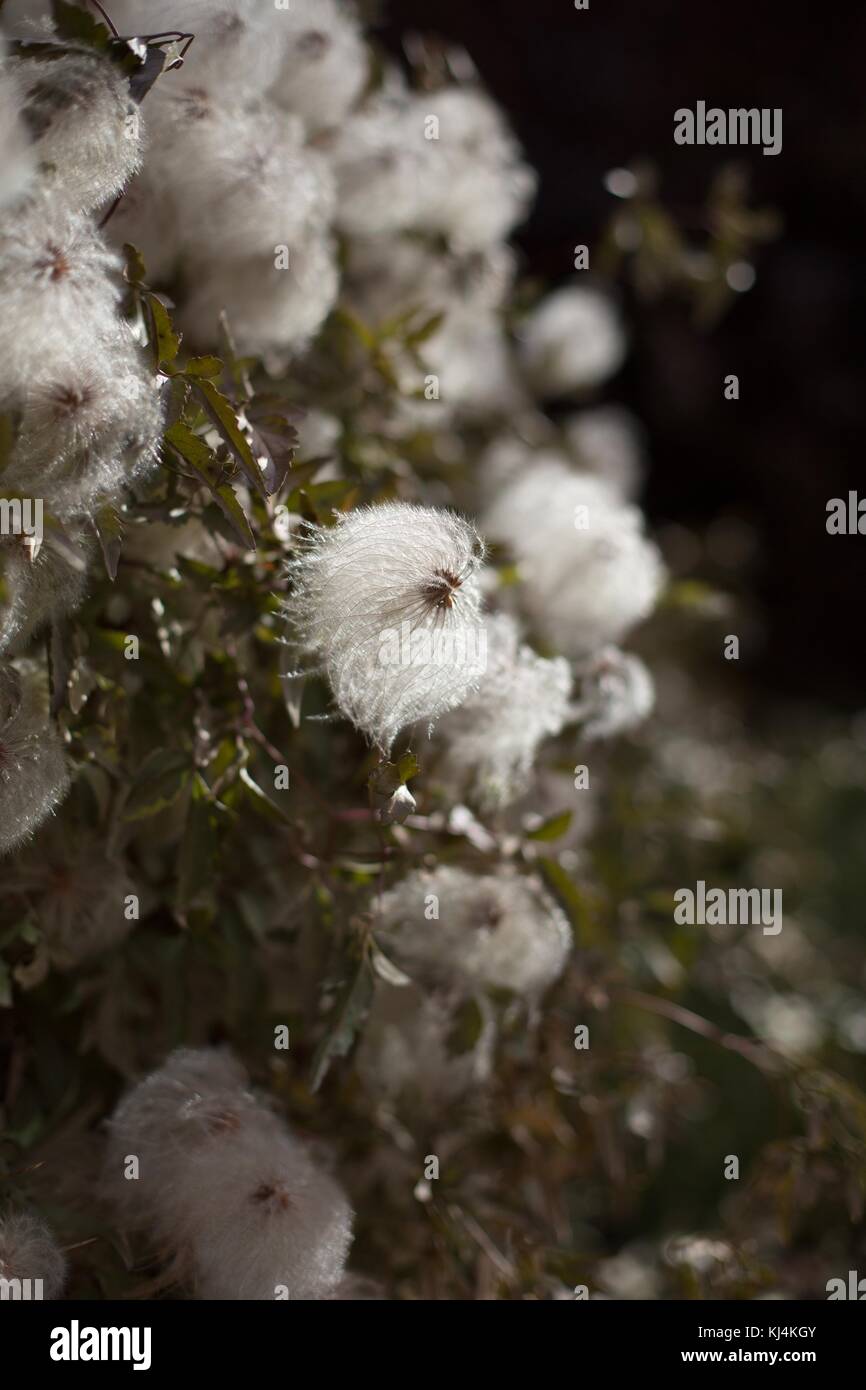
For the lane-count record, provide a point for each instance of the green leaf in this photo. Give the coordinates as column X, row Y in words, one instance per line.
column 204, row 367
column 164, row 342
column 222, row 413
column 199, row 456
column 159, row 782
column 349, row 1013
column 553, row 828
column 109, row 530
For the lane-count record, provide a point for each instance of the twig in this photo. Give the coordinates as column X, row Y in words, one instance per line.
column 761, row 1056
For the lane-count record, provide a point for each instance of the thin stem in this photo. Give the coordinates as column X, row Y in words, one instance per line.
column 761, row 1056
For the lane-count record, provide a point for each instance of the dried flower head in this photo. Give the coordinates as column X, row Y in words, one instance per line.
column 466, row 931
column 387, row 602
column 33, row 774
column 224, row 1187
column 91, row 423
column 29, row 1251
column 479, row 188
column 325, row 61
column 416, row 1047
column 58, row 280
column 270, row 310
column 588, row 573
column 32, row 591
column 573, row 340
column 490, row 742
column 617, row 693
column 86, row 129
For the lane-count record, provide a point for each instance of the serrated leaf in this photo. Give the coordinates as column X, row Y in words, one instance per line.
column 553, row 828
column 222, row 413
column 159, row 782
column 199, row 456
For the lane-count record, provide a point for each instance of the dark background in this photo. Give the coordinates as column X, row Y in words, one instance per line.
column 589, row 90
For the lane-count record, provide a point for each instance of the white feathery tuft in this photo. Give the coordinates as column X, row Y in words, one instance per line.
column 387, row 603
column 490, row 743
column 572, row 341
column 28, row 1250
column 34, row 777
column 491, row 932
column 224, row 1186
column 617, row 694
column 588, row 574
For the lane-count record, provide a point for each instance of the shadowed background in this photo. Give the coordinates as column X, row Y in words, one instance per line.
column 589, row 90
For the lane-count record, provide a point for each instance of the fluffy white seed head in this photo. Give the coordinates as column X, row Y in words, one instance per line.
column 381, row 159
column 29, row 1251
column 574, row 340
column 34, row 591
column 271, row 310
column 617, row 694
column 460, row 930
column 490, row 743
column 59, row 282
column 325, row 62
column 387, row 603
column 86, row 130
column 34, row 777
column 238, row 44
column 608, row 440
column 269, row 1219
column 243, row 178
column 412, row 1049
column 224, row 1186
column 91, row 423
column 478, row 187
column 588, row 574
